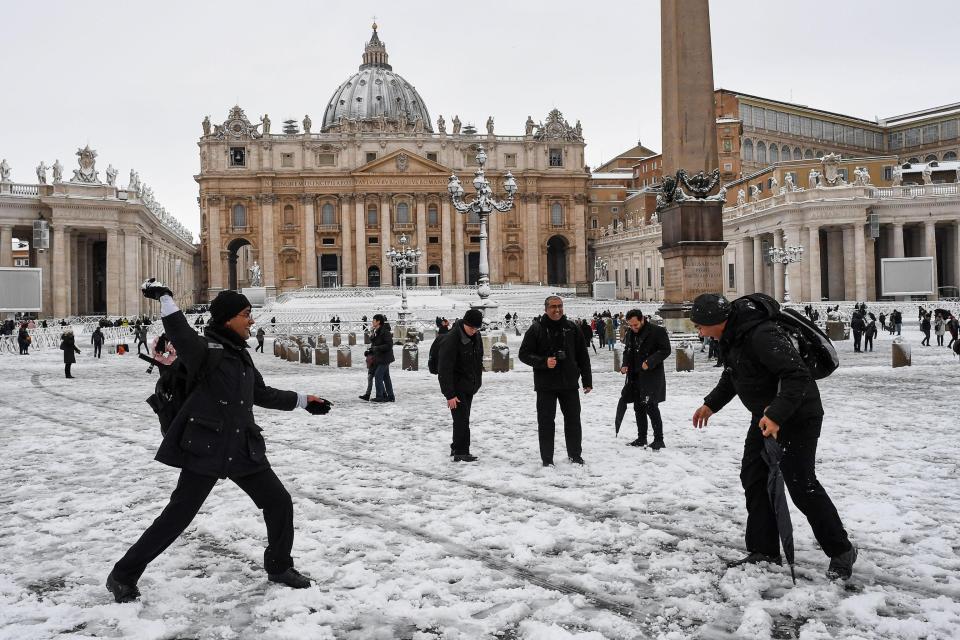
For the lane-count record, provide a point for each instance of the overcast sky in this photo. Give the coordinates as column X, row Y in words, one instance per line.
column 134, row 80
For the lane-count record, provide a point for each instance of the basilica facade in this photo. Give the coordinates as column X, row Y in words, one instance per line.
column 323, row 208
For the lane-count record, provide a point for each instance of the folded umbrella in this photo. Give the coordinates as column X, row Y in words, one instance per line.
column 772, row 454
column 621, row 411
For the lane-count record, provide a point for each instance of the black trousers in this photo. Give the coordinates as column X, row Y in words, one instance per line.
column 643, row 409
column 263, row 487
column 806, row 492
column 259, row 346
column 461, row 425
column 939, row 339
column 97, row 346
column 66, row 368
column 867, row 342
column 926, row 337
column 546, row 413
column 857, row 335
column 145, row 347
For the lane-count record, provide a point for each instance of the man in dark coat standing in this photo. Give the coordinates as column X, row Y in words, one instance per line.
column 647, row 346
column 555, row 348
column 857, row 325
column 97, row 340
column 214, row 436
column 460, row 373
column 766, row 371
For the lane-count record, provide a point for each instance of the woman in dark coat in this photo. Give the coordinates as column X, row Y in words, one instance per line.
column 23, row 340
column 69, row 348
column 925, row 329
column 381, row 348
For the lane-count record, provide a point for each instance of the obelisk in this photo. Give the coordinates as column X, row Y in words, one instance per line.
column 692, row 228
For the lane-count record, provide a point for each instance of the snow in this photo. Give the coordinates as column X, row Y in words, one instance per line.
column 404, row 543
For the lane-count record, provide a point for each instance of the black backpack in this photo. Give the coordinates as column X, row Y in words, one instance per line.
column 815, row 348
column 433, row 360
column 176, row 384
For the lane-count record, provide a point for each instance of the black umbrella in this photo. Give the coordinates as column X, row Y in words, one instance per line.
column 772, row 454
column 621, row 411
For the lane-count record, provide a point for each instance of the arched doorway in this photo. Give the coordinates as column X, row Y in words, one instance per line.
column 557, row 260
column 435, row 269
column 373, row 276
column 239, row 261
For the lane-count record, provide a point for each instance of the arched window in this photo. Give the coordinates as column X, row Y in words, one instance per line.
column 372, row 215
column 818, row 154
column 808, row 155
column 403, row 213
column 239, row 217
column 797, row 154
column 761, row 152
column 748, row 150
column 327, row 214
column 433, row 218
column 288, row 215
column 556, row 214
column 774, row 154
column 930, row 158
column 950, row 155
column 914, row 160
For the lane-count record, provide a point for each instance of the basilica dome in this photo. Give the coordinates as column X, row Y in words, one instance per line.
column 375, row 94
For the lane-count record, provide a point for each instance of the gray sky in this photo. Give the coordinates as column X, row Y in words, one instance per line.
column 135, row 79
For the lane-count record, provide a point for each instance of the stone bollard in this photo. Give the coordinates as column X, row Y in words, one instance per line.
column 500, row 357
column 487, row 344
column 410, row 360
column 321, row 340
column 900, row 352
column 684, row 353
column 617, row 356
column 352, row 338
column 336, row 339
column 321, row 355
column 836, row 330
column 293, row 353
column 306, row 354
column 366, row 337
column 277, row 347
column 343, row 355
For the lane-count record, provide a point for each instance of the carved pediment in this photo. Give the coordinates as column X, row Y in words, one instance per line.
column 401, row 162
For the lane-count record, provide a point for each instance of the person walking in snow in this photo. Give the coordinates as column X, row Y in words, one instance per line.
column 587, row 334
column 460, row 373
column 766, row 371
column 857, row 325
column 214, row 436
column 646, row 346
column 69, row 347
column 925, row 329
column 261, row 335
column 940, row 329
column 953, row 326
column 869, row 333
column 23, row 339
column 96, row 339
column 381, row 348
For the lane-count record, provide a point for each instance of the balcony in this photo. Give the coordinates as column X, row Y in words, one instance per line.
column 328, row 228
column 402, row 226
column 239, row 230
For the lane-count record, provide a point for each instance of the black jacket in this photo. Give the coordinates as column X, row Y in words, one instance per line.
column 651, row 345
column 381, row 344
column 460, row 363
column 856, row 322
column 542, row 340
column 96, row 337
column 763, row 367
column 69, row 347
column 215, row 434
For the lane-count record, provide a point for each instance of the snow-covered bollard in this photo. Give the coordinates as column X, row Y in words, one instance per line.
column 344, row 355
column 321, row 355
column 500, row 357
column 684, row 355
column 352, row 338
column 900, row 353
column 278, row 346
column 411, row 356
column 836, row 330
column 617, row 356
column 366, row 337
column 293, row 353
column 336, row 339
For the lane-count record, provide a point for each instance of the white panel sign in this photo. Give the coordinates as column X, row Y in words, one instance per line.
column 20, row 289
column 906, row 276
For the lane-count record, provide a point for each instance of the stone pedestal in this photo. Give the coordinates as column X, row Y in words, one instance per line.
column 344, row 356
column 900, row 352
column 836, row 330
column 366, row 337
column 336, row 339
column 692, row 252
column 351, row 338
column 256, row 295
column 293, row 353
column 684, row 354
column 500, row 357
column 321, row 356
column 277, row 348
column 410, row 360
column 604, row 290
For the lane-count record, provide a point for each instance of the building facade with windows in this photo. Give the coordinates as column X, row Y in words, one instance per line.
column 321, row 209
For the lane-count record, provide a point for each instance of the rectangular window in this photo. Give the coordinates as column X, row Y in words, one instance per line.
column 859, row 137
column 731, row 281
column 372, row 216
column 616, row 279
column 510, row 160
column 758, row 118
column 326, row 159
column 745, row 113
column 794, row 125
column 593, row 209
column 649, row 277
column 828, row 131
column 948, row 130
column 556, row 157
column 327, row 241
column 770, row 117
column 931, row 133
column 888, row 173
column 238, row 157
column 373, row 240
column 371, row 156
column 286, row 160
column 728, row 166
column 895, row 140
column 850, row 135
column 817, row 129
column 805, row 126
column 433, row 240
column 838, row 133
column 433, row 218
column 661, row 276
column 432, row 156
column 636, row 276
column 783, row 122
column 475, row 239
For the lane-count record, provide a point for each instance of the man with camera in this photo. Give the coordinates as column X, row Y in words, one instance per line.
column 554, row 347
column 647, row 346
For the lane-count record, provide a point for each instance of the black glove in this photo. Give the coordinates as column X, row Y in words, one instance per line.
column 319, row 407
column 367, row 353
column 154, row 290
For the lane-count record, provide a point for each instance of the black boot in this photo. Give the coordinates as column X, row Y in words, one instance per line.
column 639, row 442
column 755, row 557
column 122, row 592
column 291, row 577
column 576, row 459
column 657, row 444
column 841, row 566
column 464, row 457
column 365, row 396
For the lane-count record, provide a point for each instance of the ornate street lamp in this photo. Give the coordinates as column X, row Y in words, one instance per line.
column 483, row 205
column 785, row 256
column 403, row 259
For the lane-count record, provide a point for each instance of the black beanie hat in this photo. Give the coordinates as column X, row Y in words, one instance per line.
column 227, row 304
column 709, row 309
column 473, row 318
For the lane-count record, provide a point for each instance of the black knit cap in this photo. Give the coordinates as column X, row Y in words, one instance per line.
column 473, row 318
column 226, row 305
column 709, row 309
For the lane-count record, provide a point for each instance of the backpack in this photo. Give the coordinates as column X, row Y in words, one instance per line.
column 815, row 348
column 433, row 360
column 176, row 384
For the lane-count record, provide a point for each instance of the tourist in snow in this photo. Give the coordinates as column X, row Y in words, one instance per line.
column 371, row 362
column 869, row 333
column 24, row 339
column 939, row 328
column 460, row 373
column 610, row 331
column 381, row 347
column 646, row 346
column 69, row 347
column 857, row 326
column 953, row 326
column 601, row 329
column 896, row 319
column 140, row 335
column 261, row 335
column 587, row 332
column 555, row 348
column 765, row 370
column 925, row 329
column 96, row 339
column 444, row 327
column 214, row 436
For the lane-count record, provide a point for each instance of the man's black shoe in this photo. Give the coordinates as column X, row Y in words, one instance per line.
column 755, row 558
column 379, row 400
column 548, row 464
column 365, row 396
column 576, row 459
column 291, row 577
column 841, row 566
column 464, row 457
column 122, row 592
column 639, row 442
column 657, row 444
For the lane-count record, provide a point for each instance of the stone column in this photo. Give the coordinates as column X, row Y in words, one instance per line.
column 871, row 267
column 347, row 270
column 955, row 233
column 836, row 278
column 6, row 246
column 361, row 240
column 458, row 253
column 215, row 281
column 146, row 305
column 446, row 269
column 930, row 249
column 80, row 259
column 309, row 266
column 75, row 275
column 794, row 273
column 422, row 236
column 386, row 274
column 580, row 238
column 268, row 245
column 859, row 263
column 758, row 264
column 778, row 280
column 113, row 273
column 813, row 263
column 849, row 271
column 896, row 232
column 532, row 233
column 131, row 273
column 744, row 268
column 42, row 260
column 494, row 245
column 61, row 289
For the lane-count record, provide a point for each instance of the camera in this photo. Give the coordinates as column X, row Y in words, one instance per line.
column 560, row 354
